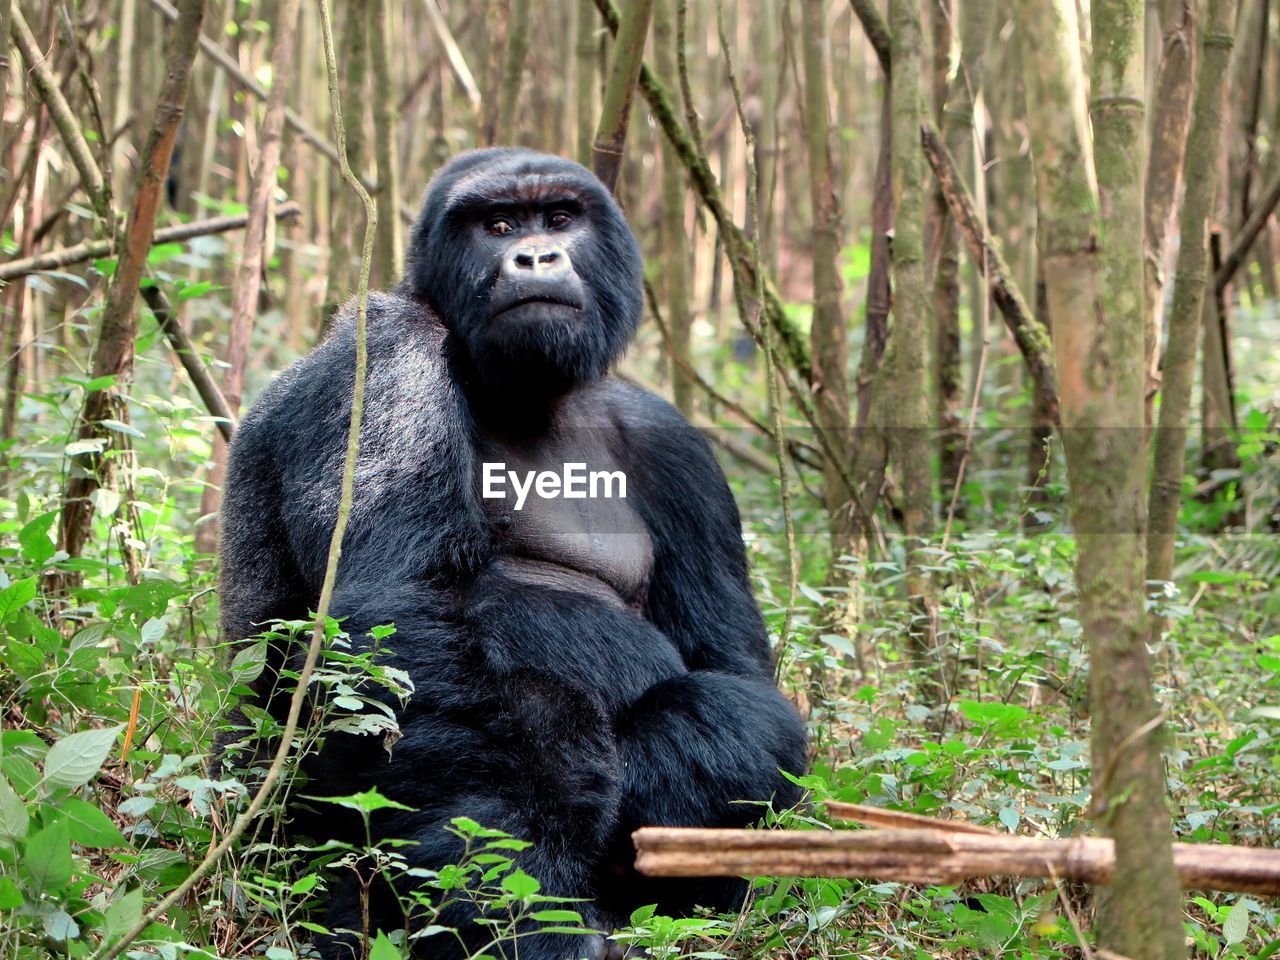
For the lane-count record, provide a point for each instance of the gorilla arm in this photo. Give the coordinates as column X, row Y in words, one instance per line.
column 721, row 731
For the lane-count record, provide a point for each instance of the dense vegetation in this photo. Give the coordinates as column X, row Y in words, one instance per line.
column 942, row 665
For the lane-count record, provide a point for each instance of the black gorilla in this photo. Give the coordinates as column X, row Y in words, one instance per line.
column 583, row 665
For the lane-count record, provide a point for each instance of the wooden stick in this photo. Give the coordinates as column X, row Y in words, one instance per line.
column 880, row 817
column 1028, row 332
column 191, row 361
column 1248, row 234
column 88, row 250
column 932, row 856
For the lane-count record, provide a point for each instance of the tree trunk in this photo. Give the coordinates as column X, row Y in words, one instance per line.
column 909, row 421
column 389, row 254
column 674, row 244
column 1217, row 377
column 956, row 119
column 117, row 331
column 615, row 112
column 513, row 72
column 829, row 332
column 1098, row 322
column 344, row 214
column 253, row 254
column 1171, row 116
column 1185, row 316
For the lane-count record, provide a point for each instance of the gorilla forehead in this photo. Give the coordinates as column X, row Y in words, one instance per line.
column 510, row 175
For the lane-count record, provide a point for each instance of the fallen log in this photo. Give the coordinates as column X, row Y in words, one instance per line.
column 933, row 856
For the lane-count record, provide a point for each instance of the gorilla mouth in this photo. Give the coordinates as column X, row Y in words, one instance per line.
column 535, row 300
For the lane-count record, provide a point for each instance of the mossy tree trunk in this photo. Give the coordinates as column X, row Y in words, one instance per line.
column 908, row 403
column 1093, row 271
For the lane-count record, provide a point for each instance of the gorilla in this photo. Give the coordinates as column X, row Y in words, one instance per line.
column 587, row 656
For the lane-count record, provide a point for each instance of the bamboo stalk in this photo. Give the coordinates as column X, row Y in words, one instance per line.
column 615, row 111
column 931, row 856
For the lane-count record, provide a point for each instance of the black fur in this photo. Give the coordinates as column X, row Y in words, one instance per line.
column 566, row 715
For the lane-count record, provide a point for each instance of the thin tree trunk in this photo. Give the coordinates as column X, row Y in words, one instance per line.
column 1171, row 116
column 117, row 332
column 343, row 209
column 876, row 335
column 390, row 249
column 674, row 244
column 513, row 72
column 122, row 103
column 829, row 332
column 1185, row 316
column 956, row 120
column 607, row 150
column 909, row 424
column 766, row 37
column 1217, row 391
column 586, row 81
column 1098, row 323
column 248, row 282
column 46, row 84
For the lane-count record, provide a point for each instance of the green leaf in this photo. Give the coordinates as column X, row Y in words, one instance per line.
column 10, row 895
column 73, row 761
column 59, row 926
column 305, row 884
column 123, row 914
column 16, row 596
column 520, row 885
column 1236, row 927
column 163, row 251
column 37, row 547
column 556, row 916
column 105, row 502
column 89, row 826
column 14, row 818
column 78, row 448
column 839, row 644
column 48, row 856
column 383, row 949
column 119, row 426
column 368, row 801
column 193, row 290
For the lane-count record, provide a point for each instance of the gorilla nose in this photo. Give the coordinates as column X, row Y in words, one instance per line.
column 540, row 261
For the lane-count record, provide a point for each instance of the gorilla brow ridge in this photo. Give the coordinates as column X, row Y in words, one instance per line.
column 515, row 190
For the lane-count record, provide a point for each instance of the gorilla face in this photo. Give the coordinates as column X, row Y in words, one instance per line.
column 528, row 261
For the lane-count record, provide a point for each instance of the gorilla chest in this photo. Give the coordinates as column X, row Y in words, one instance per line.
column 559, row 513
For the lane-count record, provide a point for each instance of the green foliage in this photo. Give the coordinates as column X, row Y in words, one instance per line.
column 91, row 838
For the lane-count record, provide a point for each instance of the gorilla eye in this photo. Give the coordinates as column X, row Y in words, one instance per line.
column 559, row 218
column 499, row 226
